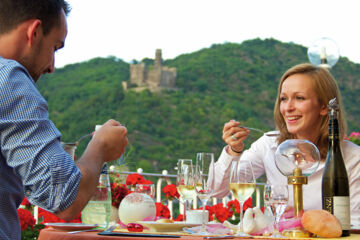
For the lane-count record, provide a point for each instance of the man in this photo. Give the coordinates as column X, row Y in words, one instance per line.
column 32, row 161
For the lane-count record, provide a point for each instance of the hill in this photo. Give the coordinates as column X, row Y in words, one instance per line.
column 225, row 81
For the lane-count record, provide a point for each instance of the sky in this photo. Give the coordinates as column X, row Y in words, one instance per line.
column 134, row 29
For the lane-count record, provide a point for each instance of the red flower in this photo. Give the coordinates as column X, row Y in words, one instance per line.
column 26, row 219
column 179, row 218
column 118, row 192
column 247, row 204
column 133, row 179
column 263, row 209
column 145, row 181
column 234, row 206
column 48, row 217
column 162, row 210
column 26, row 203
column 170, row 191
column 221, row 213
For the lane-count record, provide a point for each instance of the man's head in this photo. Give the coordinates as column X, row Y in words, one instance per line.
column 14, row 12
column 31, row 31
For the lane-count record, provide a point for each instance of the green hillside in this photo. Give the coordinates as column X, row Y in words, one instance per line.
column 225, row 81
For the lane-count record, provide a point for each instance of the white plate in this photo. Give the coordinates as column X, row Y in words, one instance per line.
column 71, row 226
column 166, row 227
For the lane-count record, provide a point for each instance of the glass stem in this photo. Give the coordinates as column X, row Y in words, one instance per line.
column 203, row 228
column 241, row 217
column 277, row 220
column 185, row 208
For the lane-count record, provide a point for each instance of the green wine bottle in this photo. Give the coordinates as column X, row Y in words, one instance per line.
column 335, row 183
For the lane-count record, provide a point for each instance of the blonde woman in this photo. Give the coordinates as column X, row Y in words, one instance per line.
column 300, row 112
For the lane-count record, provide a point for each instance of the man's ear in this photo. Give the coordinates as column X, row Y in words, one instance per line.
column 33, row 31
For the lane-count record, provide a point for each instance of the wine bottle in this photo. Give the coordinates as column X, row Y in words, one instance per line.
column 335, row 183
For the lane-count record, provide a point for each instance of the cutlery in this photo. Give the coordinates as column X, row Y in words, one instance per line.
column 86, row 230
column 220, row 237
column 269, row 134
column 110, row 229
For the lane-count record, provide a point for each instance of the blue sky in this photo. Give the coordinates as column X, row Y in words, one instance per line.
column 133, row 29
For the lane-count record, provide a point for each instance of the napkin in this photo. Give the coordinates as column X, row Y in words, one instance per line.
column 216, row 228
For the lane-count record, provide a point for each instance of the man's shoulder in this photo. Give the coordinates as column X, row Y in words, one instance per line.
column 11, row 70
column 8, row 63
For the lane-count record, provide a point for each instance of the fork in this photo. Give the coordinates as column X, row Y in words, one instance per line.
column 272, row 134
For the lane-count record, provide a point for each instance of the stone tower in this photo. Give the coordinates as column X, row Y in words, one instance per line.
column 158, row 78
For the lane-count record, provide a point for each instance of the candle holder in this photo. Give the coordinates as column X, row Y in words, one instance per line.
column 297, row 159
column 323, row 52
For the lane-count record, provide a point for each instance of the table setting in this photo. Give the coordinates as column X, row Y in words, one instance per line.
column 138, row 220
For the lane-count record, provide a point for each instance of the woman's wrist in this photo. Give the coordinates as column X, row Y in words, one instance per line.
column 231, row 151
column 235, row 151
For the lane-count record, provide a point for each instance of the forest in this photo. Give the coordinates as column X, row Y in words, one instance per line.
column 225, row 81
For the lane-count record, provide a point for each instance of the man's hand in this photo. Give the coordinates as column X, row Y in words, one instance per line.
column 111, row 139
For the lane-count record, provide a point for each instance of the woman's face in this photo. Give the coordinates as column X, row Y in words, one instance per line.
column 300, row 108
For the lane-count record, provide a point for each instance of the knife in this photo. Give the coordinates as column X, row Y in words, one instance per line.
column 106, row 233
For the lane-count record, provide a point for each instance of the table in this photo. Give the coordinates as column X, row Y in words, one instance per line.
column 51, row 234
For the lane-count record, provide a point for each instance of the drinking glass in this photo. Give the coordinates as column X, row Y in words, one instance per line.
column 148, row 189
column 185, row 182
column 204, row 182
column 242, row 185
column 279, row 196
column 267, row 198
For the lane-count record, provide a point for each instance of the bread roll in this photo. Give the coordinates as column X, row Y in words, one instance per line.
column 165, row 220
column 321, row 223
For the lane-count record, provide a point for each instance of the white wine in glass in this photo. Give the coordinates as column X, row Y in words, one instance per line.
column 242, row 185
column 185, row 182
column 186, row 191
column 204, row 182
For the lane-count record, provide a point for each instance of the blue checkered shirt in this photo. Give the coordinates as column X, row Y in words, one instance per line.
column 32, row 161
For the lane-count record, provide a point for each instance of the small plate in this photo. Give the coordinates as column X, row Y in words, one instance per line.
column 71, row 226
column 166, row 227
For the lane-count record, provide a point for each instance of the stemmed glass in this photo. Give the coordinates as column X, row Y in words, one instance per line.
column 242, row 185
column 204, row 182
column 267, row 199
column 185, row 182
column 279, row 196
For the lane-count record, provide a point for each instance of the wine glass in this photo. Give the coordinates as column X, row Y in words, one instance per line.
column 267, row 199
column 279, row 196
column 185, row 182
column 204, row 182
column 242, row 185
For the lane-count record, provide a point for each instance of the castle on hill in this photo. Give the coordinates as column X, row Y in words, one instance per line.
column 155, row 78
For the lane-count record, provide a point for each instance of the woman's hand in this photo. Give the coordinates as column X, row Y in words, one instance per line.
column 233, row 135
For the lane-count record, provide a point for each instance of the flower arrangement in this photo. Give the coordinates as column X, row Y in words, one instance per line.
column 171, row 192
column 136, row 178
column 29, row 228
column 118, row 192
column 354, row 137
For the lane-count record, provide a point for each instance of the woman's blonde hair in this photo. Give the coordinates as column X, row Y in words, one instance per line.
column 326, row 88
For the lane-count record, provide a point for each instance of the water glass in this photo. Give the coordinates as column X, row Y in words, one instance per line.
column 279, row 196
column 204, row 182
column 148, row 189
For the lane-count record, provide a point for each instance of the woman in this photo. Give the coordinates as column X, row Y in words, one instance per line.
column 300, row 112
